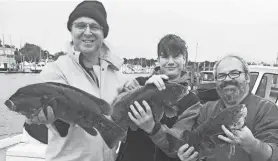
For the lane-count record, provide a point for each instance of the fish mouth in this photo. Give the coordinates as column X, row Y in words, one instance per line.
column 243, row 111
column 239, row 118
column 10, row 104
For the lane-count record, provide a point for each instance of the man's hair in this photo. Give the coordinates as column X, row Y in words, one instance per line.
column 172, row 43
column 243, row 63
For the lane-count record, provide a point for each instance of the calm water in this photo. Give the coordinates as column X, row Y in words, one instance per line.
column 11, row 123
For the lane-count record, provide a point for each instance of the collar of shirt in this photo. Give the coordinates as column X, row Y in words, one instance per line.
column 114, row 61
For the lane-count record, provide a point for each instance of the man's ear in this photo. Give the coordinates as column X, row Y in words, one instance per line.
column 247, row 77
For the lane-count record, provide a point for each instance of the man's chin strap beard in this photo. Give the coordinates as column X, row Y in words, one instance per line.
column 241, row 99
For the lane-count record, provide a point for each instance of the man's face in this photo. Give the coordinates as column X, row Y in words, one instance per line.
column 232, row 90
column 86, row 38
column 171, row 64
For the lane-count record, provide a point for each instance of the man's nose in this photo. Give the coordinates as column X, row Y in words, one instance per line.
column 228, row 78
column 88, row 30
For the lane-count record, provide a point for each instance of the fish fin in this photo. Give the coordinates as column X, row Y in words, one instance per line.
column 110, row 132
column 105, row 107
column 214, row 138
column 159, row 113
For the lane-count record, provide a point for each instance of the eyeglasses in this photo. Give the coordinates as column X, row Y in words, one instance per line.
column 232, row 74
column 83, row 26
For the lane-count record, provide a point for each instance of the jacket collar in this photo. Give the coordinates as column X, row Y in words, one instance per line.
column 114, row 61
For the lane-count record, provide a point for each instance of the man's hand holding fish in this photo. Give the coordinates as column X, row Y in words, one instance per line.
column 244, row 139
column 187, row 153
column 41, row 117
column 157, row 80
column 143, row 119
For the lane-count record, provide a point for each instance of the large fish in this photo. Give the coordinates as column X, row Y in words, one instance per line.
column 69, row 104
column 161, row 102
column 204, row 137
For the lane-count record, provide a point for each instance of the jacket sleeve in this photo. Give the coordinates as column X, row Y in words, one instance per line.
column 165, row 137
column 266, row 127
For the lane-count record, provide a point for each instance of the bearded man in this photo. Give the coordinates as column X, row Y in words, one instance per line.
column 258, row 140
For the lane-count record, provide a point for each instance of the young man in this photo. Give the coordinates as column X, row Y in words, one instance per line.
column 139, row 145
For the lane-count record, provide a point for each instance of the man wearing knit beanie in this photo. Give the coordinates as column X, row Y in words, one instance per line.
column 91, row 9
column 89, row 65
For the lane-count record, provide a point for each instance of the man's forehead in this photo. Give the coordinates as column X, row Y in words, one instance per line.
column 85, row 20
column 229, row 64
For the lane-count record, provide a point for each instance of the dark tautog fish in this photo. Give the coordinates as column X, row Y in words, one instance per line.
column 160, row 102
column 204, row 137
column 69, row 104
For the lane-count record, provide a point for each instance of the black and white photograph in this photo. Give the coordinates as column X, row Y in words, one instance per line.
column 139, row 80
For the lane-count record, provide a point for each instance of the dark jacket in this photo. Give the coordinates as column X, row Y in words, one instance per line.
column 261, row 119
column 139, row 146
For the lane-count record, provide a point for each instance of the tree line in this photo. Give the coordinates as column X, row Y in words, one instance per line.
column 33, row 53
column 6, row 45
column 30, row 53
column 144, row 62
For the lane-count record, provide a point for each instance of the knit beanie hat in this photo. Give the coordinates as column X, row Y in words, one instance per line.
column 92, row 9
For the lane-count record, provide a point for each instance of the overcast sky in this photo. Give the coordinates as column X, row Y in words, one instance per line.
column 246, row 27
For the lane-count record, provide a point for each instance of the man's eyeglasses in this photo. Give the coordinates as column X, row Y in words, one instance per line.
column 232, row 74
column 83, row 26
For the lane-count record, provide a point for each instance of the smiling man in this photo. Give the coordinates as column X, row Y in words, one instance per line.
column 90, row 66
column 258, row 140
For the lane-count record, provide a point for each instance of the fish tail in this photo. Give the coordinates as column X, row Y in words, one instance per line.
column 111, row 133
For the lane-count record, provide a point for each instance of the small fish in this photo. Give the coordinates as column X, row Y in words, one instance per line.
column 204, row 137
column 160, row 102
column 69, row 104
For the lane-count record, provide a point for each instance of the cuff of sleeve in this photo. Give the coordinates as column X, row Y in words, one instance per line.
column 158, row 136
column 156, row 128
column 274, row 156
